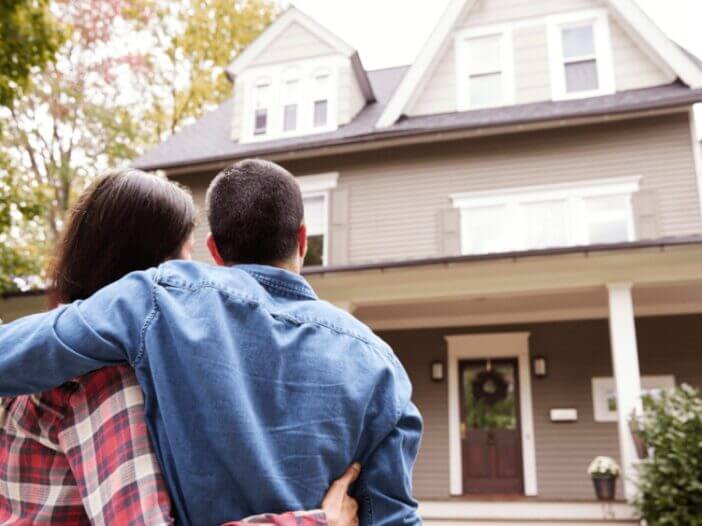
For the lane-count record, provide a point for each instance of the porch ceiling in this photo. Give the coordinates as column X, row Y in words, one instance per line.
column 565, row 286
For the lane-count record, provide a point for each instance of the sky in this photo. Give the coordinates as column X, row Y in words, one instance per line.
column 368, row 24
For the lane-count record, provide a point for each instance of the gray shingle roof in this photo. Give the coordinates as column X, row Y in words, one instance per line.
column 208, row 140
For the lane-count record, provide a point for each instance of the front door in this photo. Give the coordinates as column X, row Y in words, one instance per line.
column 490, row 430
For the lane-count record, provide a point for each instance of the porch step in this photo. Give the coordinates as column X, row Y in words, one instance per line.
column 515, row 513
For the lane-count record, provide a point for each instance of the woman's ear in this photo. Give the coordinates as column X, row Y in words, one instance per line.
column 214, row 251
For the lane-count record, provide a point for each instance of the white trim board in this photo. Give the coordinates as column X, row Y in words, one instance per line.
column 533, row 512
column 635, row 22
column 484, row 346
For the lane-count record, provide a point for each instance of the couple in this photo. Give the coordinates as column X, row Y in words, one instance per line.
column 256, row 394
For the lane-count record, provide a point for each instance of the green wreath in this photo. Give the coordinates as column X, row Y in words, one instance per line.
column 489, row 387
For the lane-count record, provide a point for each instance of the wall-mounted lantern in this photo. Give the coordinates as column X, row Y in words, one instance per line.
column 540, row 367
column 437, row 371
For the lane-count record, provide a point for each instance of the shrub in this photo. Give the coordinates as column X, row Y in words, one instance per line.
column 670, row 480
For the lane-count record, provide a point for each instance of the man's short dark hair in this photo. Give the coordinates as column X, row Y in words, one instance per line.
column 255, row 210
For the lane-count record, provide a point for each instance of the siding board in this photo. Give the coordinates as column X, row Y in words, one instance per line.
column 295, row 43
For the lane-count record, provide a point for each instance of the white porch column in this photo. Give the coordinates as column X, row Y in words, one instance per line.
column 627, row 376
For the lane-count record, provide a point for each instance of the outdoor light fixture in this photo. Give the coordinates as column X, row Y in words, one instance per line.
column 437, row 371
column 540, row 369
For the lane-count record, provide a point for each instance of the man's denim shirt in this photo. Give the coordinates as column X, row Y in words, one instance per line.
column 257, row 394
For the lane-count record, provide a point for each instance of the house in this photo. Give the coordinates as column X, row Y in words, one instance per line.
column 518, row 213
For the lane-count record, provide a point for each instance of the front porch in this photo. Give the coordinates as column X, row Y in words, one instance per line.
column 604, row 322
column 497, row 512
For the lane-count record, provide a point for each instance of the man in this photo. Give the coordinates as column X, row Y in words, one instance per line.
column 250, row 382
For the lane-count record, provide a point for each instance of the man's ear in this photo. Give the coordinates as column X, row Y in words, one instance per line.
column 302, row 241
column 214, row 251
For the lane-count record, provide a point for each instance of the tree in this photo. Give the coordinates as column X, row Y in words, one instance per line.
column 28, row 40
column 194, row 41
column 128, row 73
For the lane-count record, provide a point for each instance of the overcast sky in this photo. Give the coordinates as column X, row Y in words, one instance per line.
column 368, row 24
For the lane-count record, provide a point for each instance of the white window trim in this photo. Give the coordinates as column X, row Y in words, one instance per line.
column 485, row 346
column 320, row 185
column 603, row 52
column 278, row 74
column 575, row 192
column 507, row 55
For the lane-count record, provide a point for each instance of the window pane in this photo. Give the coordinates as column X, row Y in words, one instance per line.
column 290, row 118
column 262, row 95
column 315, row 218
column 613, row 203
column 291, row 90
column 581, row 76
column 546, row 224
column 484, row 55
column 320, row 113
column 578, row 42
column 315, row 251
column 486, row 90
column 612, row 231
column 486, row 230
column 261, row 122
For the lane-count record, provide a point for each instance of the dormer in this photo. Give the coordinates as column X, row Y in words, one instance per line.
column 297, row 78
column 497, row 53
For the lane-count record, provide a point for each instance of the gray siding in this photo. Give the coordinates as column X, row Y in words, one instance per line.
column 387, row 188
column 632, row 68
column 295, row 43
column 576, row 351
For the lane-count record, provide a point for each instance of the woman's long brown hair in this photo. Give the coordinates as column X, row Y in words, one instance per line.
column 126, row 221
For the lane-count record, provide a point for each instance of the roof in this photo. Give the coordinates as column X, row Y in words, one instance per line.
column 208, row 140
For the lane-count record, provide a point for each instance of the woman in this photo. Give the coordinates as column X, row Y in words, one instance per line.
column 80, row 453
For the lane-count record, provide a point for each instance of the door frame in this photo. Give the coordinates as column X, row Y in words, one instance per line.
column 483, row 347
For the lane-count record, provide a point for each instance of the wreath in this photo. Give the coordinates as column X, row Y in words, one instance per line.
column 489, row 387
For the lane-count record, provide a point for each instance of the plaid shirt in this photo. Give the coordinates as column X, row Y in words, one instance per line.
column 80, row 454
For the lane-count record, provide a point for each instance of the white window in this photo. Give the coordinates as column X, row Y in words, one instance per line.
column 321, row 100
column 262, row 104
column 485, row 67
column 294, row 99
column 291, row 96
column 580, row 55
column 316, row 195
column 588, row 213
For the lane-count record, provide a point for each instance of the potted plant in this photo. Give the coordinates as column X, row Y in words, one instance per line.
column 604, row 472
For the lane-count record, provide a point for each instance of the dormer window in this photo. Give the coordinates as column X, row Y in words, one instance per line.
column 262, row 107
column 284, row 100
column 321, row 99
column 485, row 68
column 580, row 55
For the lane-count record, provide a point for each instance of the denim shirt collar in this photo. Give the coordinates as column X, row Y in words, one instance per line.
column 279, row 280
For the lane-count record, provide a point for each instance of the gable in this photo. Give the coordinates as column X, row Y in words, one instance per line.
column 294, row 43
column 633, row 68
column 646, row 58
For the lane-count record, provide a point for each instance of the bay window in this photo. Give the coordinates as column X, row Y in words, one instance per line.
column 290, row 109
column 578, row 214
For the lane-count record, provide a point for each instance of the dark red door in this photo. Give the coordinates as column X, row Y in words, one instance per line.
column 490, row 432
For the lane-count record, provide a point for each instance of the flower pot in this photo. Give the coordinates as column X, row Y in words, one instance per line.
column 639, row 443
column 605, row 487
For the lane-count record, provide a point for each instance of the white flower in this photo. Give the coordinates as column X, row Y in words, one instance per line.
column 604, row 466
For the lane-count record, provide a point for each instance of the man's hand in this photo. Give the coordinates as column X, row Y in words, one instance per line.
column 342, row 510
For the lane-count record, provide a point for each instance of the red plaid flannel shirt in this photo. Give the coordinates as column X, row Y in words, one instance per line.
column 80, row 454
